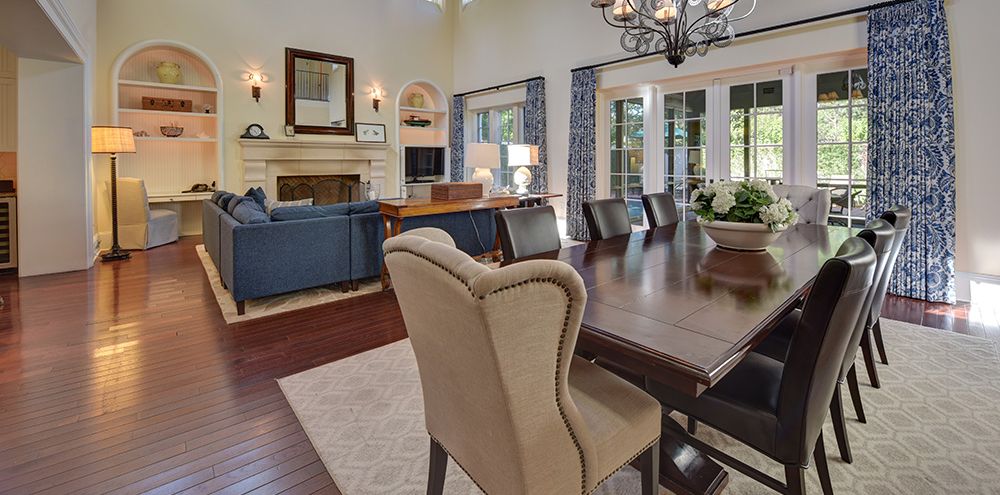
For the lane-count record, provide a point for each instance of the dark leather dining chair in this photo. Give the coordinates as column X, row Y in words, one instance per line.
column 879, row 235
column 779, row 408
column 527, row 231
column 660, row 209
column 607, row 218
column 898, row 217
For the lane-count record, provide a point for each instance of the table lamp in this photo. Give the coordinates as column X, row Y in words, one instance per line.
column 113, row 140
column 483, row 157
column 522, row 156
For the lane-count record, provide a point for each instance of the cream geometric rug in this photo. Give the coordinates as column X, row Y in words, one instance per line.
column 281, row 303
column 933, row 427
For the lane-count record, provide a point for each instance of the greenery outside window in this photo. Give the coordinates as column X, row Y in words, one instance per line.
column 842, row 144
column 627, row 160
column 685, row 145
column 756, row 131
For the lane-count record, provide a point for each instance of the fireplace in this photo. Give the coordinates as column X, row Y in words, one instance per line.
column 322, row 189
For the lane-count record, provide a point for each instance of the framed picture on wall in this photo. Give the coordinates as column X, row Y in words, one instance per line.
column 370, row 133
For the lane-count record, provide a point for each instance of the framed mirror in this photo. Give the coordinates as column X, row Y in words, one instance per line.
column 319, row 92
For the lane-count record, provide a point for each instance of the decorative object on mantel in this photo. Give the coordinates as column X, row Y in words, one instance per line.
column 290, row 130
column 173, row 130
column 370, row 133
column 744, row 216
column 483, row 157
column 166, row 104
column 671, row 27
column 168, row 73
column 255, row 131
column 416, row 100
column 417, row 121
column 113, row 140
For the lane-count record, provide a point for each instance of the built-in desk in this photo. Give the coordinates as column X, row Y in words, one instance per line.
column 178, row 197
column 187, row 206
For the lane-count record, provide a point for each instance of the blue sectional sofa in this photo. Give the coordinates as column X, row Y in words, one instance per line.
column 344, row 246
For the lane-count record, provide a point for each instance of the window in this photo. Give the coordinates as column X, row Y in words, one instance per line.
column 627, row 163
column 842, row 143
column 684, row 145
column 756, row 131
column 503, row 126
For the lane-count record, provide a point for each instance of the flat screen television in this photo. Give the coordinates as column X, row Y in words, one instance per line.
column 423, row 164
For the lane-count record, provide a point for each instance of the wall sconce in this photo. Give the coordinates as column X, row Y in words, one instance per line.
column 255, row 79
column 377, row 95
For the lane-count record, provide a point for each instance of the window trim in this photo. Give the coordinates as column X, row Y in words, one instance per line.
column 472, row 132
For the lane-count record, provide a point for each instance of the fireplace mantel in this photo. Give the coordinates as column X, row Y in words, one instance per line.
column 265, row 160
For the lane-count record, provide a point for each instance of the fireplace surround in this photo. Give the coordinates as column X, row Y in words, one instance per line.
column 264, row 161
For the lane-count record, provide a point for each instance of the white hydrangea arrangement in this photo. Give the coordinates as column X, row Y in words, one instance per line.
column 752, row 201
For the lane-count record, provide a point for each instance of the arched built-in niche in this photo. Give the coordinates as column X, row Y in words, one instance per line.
column 435, row 108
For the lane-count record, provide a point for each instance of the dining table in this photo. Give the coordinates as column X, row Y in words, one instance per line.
column 668, row 305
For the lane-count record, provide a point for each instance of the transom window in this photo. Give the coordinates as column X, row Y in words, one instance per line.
column 756, row 131
column 627, row 160
column 842, row 143
column 685, row 145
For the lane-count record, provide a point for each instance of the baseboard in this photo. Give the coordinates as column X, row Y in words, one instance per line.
column 976, row 287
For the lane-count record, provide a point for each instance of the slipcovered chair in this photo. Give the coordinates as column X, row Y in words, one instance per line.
column 812, row 204
column 779, row 408
column 879, row 235
column 139, row 227
column 660, row 209
column 504, row 396
column 527, row 231
column 607, row 218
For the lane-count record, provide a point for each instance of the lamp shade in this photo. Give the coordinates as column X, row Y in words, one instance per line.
column 482, row 155
column 107, row 139
column 522, row 155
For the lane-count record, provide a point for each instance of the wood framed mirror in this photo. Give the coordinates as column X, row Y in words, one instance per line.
column 319, row 92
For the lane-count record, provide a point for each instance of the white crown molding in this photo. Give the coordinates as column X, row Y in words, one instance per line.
column 63, row 22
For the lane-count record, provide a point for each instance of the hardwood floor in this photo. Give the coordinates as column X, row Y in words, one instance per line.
column 126, row 379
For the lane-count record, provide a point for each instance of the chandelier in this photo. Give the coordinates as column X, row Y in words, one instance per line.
column 676, row 28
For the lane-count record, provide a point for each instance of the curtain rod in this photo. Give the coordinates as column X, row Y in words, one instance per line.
column 777, row 27
column 501, row 86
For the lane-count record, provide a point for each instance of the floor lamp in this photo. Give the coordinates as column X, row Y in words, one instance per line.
column 113, row 140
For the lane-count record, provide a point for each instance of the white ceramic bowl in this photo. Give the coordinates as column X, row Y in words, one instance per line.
column 741, row 236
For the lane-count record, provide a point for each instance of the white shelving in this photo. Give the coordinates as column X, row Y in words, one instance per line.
column 426, row 129
column 436, row 110
column 422, row 110
column 171, row 114
column 176, row 87
column 176, row 139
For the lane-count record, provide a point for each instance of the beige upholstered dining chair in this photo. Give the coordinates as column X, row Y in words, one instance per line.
column 504, row 395
column 140, row 227
column 812, row 204
column 432, row 234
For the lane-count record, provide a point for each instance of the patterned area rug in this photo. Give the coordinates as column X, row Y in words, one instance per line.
column 933, row 427
column 267, row 306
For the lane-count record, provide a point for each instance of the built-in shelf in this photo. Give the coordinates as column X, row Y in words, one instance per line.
column 422, row 110
column 162, row 112
column 434, row 129
column 181, row 87
column 176, row 139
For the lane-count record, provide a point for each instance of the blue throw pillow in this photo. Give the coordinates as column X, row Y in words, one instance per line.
column 234, row 202
column 364, row 207
column 290, row 213
column 224, row 200
column 216, row 195
column 258, row 195
column 249, row 212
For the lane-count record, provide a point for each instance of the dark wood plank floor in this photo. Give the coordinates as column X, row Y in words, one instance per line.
column 126, row 379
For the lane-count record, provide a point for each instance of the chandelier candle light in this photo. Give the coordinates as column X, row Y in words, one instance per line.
column 676, row 28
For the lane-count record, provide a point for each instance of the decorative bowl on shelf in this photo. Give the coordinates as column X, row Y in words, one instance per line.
column 741, row 236
column 171, row 130
column 416, row 121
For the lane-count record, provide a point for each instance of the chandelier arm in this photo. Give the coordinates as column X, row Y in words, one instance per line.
column 639, row 12
column 744, row 16
column 616, row 26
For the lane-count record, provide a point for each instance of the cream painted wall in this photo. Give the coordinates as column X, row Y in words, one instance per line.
column 392, row 42
column 499, row 41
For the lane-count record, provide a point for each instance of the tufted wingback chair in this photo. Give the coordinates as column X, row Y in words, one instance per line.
column 812, row 204
column 504, row 395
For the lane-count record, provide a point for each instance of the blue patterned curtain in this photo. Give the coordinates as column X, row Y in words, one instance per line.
column 534, row 133
column 912, row 151
column 582, row 174
column 458, row 139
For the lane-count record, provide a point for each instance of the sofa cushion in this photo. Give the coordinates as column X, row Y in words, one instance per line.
column 289, row 213
column 363, row 207
column 270, row 205
column 223, row 201
column 249, row 212
column 216, row 195
column 258, row 195
column 235, row 201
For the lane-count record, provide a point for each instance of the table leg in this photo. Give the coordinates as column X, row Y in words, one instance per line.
column 684, row 469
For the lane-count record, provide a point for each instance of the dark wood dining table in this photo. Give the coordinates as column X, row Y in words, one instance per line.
column 668, row 305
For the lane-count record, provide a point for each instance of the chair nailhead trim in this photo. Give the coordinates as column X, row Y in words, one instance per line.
column 460, row 466
column 626, row 463
column 559, row 354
